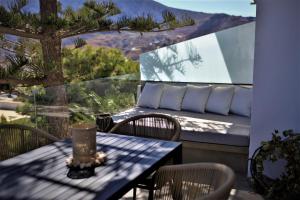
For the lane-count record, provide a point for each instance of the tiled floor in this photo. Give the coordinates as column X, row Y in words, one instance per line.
column 242, row 182
column 241, row 191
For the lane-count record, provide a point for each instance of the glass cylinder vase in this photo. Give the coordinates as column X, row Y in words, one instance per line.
column 84, row 143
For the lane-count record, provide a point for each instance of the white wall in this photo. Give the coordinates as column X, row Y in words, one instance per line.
column 276, row 80
column 223, row 57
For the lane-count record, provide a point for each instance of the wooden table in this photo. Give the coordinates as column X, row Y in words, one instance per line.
column 41, row 173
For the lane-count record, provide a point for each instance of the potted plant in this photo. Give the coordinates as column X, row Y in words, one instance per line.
column 283, row 146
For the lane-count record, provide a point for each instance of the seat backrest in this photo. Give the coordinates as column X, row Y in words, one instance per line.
column 16, row 139
column 205, row 181
column 151, row 125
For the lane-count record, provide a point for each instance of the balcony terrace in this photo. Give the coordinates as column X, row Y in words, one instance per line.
column 209, row 117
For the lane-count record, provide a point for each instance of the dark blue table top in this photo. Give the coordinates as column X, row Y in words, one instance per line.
column 41, row 173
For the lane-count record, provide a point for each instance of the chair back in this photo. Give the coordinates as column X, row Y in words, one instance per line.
column 16, row 139
column 201, row 181
column 152, row 125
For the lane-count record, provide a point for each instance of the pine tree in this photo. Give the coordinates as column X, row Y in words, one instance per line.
column 52, row 24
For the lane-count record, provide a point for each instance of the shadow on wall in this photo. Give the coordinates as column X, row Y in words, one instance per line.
column 168, row 63
column 222, row 57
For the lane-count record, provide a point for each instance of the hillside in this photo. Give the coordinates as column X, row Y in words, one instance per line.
column 133, row 44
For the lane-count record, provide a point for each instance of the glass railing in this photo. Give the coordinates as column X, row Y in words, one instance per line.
column 54, row 109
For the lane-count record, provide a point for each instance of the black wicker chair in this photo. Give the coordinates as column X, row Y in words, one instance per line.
column 152, row 125
column 16, row 139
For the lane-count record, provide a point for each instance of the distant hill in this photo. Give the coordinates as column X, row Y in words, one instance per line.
column 132, row 43
column 129, row 7
column 219, row 22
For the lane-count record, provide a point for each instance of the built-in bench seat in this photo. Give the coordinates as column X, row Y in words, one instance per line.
column 205, row 128
column 210, row 130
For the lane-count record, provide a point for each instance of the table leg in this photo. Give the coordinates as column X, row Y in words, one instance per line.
column 178, row 155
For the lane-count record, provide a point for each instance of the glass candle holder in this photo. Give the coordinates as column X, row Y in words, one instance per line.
column 84, row 143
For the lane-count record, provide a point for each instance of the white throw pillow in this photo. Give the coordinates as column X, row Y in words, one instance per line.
column 241, row 102
column 172, row 97
column 150, row 96
column 219, row 100
column 195, row 98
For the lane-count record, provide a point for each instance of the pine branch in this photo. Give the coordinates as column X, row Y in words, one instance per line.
column 20, row 68
column 11, row 42
column 137, row 24
column 19, row 32
column 16, row 64
column 13, row 51
column 26, row 82
column 80, row 31
column 94, row 17
column 17, row 5
column 16, row 18
column 103, row 9
column 9, row 45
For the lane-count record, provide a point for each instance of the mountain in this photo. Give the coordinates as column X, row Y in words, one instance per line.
column 129, row 8
column 133, row 44
column 134, row 8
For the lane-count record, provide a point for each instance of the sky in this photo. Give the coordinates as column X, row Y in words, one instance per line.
column 232, row 7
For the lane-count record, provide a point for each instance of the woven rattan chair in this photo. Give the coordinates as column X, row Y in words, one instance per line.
column 152, row 125
column 16, row 139
column 198, row 181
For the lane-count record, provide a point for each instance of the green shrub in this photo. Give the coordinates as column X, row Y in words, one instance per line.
column 3, row 119
column 25, row 109
column 23, row 121
column 283, row 146
column 89, row 63
column 79, row 42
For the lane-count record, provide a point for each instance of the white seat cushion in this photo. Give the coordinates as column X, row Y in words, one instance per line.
column 150, row 96
column 195, row 98
column 205, row 128
column 241, row 102
column 172, row 97
column 219, row 100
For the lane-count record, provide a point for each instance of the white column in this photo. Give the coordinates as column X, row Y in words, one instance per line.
column 276, row 81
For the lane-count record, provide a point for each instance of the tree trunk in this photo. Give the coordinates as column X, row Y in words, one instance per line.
column 51, row 47
column 55, row 79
